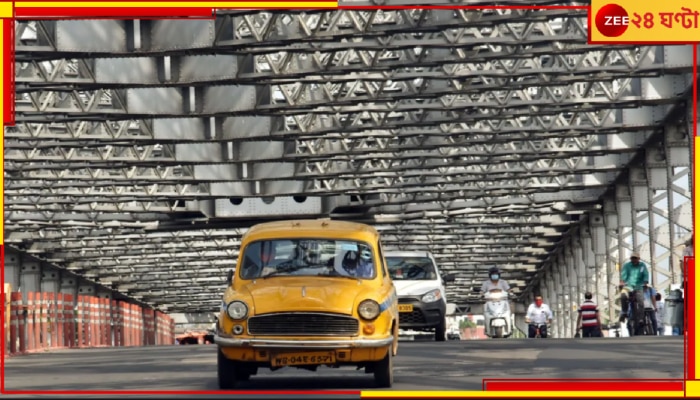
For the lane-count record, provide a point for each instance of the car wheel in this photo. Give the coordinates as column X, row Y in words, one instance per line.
column 440, row 331
column 226, row 371
column 384, row 371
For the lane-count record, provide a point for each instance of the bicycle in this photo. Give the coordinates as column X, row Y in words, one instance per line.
column 648, row 323
column 538, row 330
column 639, row 322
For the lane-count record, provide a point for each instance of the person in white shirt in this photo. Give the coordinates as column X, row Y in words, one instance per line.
column 494, row 282
column 538, row 314
column 660, row 313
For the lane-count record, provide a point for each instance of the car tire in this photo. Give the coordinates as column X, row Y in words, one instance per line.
column 227, row 374
column 440, row 330
column 384, row 370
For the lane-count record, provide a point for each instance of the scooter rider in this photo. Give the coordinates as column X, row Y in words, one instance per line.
column 633, row 275
column 538, row 313
column 494, row 282
column 499, row 315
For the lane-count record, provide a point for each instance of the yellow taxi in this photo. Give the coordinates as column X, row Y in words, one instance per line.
column 304, row 294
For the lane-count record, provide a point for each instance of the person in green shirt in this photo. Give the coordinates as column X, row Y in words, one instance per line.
column 633, row 275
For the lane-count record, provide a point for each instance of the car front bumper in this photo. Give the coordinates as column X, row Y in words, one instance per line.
column 424, row 315
column 229, row 341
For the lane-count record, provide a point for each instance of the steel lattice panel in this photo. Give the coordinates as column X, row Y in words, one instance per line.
column 475, row 134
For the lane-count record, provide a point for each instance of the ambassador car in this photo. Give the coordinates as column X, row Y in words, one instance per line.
column 305, row 294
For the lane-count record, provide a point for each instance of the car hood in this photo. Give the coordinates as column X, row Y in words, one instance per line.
column 415, row 288
column 333, row 295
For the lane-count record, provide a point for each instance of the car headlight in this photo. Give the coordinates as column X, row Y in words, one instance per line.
column 368, row 309
column 237, row 310
column 432, row 296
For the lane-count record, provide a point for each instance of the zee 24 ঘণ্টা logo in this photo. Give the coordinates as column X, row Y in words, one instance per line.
column 612, row 20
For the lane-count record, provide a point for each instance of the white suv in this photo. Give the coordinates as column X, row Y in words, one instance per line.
column 421, row 291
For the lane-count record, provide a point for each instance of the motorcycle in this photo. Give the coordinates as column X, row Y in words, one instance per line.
column 497, row 315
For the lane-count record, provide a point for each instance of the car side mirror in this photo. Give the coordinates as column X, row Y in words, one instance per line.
column 229, row 277
column 449, row 278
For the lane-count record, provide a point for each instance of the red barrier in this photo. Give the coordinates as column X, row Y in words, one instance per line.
column 94, row 322
column 60, row 323
column 127, row 325
column 31, row 320
column 99, row 318
column 139, row 325
column 79, row 326
column 106, row 330
column 15, row 301
column 68, row 321
column 57, row 320
column 53, row 321
column 118, row 323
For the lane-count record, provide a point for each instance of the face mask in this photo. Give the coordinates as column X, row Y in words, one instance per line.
column 538, row 303
column 494, row 277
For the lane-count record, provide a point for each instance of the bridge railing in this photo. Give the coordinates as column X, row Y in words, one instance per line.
column 46, row 321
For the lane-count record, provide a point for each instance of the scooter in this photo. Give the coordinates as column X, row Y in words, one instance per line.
column 497, row 316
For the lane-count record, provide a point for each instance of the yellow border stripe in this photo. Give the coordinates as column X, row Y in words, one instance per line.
column 6, row 9
column 476, row 393
column 140, row 4
column 692, row 388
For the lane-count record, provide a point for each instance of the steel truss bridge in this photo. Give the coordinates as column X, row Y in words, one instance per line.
column 143, row 149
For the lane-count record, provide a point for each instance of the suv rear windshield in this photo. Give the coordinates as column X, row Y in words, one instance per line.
column 411, row 268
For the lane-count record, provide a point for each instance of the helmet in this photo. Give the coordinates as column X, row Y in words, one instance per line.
column 494, row 270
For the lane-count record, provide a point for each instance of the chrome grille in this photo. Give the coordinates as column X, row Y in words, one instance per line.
column 303, row 324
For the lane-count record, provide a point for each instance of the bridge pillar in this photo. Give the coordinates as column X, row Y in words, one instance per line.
column 569, row 277
column 614, row 245
column 678, row 150
column 584, row 281
column 603, row 290
column 561, row 293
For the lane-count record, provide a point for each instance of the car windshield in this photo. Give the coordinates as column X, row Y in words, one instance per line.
column 411, row 268
column 307, row 257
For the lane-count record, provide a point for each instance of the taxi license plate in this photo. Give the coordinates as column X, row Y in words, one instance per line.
column 306, row 358
column 405, row 307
